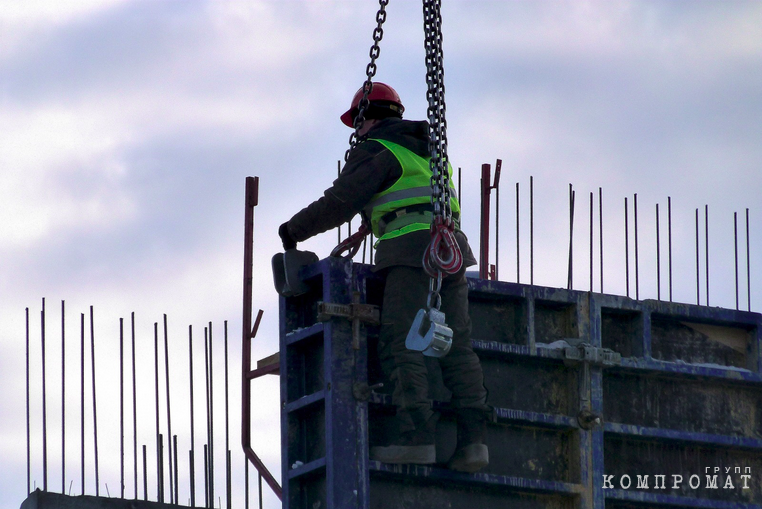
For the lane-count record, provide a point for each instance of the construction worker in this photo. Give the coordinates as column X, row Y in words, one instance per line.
column 390, row 154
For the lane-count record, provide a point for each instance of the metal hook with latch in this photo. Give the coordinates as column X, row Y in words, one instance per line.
column 429, row 334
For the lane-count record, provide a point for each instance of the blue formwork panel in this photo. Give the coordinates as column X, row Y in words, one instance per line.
column 600, row 402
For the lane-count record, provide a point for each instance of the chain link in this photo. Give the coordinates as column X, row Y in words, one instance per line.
column 370, row 72
column 443, row 254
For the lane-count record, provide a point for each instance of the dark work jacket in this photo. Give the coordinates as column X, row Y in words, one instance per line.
column 370, row 169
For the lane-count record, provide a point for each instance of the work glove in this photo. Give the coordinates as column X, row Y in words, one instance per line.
column 288, row 242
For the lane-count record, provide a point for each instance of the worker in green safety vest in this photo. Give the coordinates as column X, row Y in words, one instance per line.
column 386, row 178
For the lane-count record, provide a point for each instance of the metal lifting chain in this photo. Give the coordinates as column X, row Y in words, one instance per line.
column 443, row 255
column 370, row 71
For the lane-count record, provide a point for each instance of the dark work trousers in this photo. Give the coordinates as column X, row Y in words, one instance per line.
column 405, row 293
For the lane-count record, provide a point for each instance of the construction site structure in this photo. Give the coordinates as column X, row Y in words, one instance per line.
column 599, row 401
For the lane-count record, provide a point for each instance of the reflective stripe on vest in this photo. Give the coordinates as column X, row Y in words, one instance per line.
column 412, row 188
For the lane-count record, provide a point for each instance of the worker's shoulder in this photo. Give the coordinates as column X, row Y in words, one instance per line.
column 413, row 135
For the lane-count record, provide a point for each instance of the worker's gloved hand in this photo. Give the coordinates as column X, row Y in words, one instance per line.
column 288, row 242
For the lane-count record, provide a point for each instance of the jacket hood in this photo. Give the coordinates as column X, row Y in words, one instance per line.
column 413, row 135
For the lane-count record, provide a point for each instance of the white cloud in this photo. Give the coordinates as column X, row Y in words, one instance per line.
column 39, row 150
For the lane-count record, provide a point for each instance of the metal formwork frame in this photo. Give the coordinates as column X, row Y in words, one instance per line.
column 326, row 415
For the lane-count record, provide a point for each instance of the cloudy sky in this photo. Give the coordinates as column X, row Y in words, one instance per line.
column 127, row 129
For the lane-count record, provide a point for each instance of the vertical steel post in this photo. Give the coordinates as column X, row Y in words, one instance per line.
column 496, row 187
column 484, row 233
column 531, row 230
column 134, row 407
column 121, row 405
column 698, row 271
column 95, row 411
column 592, row 236
column 669, row 236
column 172, row 492
column 209, row 432
column 211, row 414
column 192, row 499
column 159, row 494
column 44, row 404
column 160, row 463
column 706, row 250
column 63, row 398
column 192, row 430
column 497, row 230
column 735, row 252
column 570, row 276
column 260, row 490
column 249, row 332
column 658, row 257
column 228, row 467
column 82, row 397
column 626, row 247
column 518, row 237
column 28, row 428
column 600, row 230
column 228, row 485
column 174, row 471
column 206, row 475
column 637, row 268
column 338, row 173
column 246, row 482
column 748, row 264
column 145, row 473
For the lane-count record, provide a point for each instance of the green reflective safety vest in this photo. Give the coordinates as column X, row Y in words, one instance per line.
column 403, row 207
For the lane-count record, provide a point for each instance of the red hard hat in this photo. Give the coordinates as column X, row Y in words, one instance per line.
column 380, row 92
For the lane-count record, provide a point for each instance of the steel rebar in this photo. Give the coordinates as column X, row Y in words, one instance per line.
column 159, row 494
column 228, row 484
column 63, row 398
column 121, row 404
column 600, row 230
column 626, row 247
column 735, row 252
column 192, row 429
column 28, row 427
column 160, row 470
column 658, row 257
column 669, row 236
column 570, row 278
column 82, row 398
column 192, row 498
column 698, row 271
column 706, row 250
column 206, row 475
column 246, row 482
column 172, row 492
column 134, row 407
column 338, row 173
column 95, row 411
column 260, row 490
column 637, row 267
column 145, row 473
column 518, row 251
column 592, row 235
column 748, row 264
column 228, row 467
column 174, row 472
column 44, row 404
column 211, row 414
column 531, row 230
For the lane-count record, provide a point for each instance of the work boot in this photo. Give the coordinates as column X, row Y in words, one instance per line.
column 414, row 446
column 472, row 454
